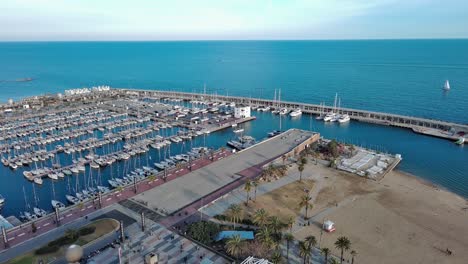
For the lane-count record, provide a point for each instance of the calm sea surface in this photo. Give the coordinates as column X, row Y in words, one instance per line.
column 403, row 77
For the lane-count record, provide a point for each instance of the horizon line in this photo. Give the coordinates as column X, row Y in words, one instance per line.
column 233, row 40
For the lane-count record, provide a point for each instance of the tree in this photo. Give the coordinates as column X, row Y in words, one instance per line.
column 255, row 183
column 303, row 160
column 333, row 261
column 311, row 242
column 234, row 246
column 290, row 222
column 203, row 231
column 260, row 217
column 265, row 236
column 353, row 254
column 276, row 257
column 247, row 188
column 332, row 147
column 300, row 168
column 343, row 244
column 326, row 251
column 305, row 202
column 288, row 237
column 304, row 251
column 235, row 213
column 275, row 224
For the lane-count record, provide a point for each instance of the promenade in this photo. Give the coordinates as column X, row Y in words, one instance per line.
column 24, row 232
column 208, row 179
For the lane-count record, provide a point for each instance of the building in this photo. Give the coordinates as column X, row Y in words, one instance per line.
column 242, row 111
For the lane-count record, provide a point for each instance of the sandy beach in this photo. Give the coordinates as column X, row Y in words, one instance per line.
column 400, row 219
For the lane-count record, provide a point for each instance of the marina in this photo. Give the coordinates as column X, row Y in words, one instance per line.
column 437, row 128
column 109, row 139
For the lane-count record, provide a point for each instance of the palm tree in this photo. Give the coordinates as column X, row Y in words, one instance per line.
column 247, row 188
column 326, row 252
column 305, row 202
column 235, row 212
column 343, row 244
column 311, row 242
column 275, row 224
column 304, row 251
column 333, row 261
column 260, row 217
column 234, row 246
column 290, row 222
column 303, row 160
column 276, row 257
column 288, row 237
column 300, row 168
column 255, row 185
column 265, row 236
column 353, row 254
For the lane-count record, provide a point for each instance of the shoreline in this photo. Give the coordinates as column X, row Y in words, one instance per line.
column 428, row 183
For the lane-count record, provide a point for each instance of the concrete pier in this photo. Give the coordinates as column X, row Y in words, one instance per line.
column 425, row 126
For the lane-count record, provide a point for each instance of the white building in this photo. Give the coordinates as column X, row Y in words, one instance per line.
column 242, row 111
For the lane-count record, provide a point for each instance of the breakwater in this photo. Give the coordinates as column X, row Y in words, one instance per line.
column 431, row 127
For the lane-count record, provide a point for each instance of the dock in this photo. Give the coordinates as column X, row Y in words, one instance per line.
column 431, row 127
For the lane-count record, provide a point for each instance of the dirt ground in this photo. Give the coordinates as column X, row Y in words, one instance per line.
column 400, row 219
column 282, row 202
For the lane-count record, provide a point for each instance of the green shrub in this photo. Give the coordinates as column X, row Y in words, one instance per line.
column 69, row 237
column 47, row 249
column 86, row 230
column 203, row 231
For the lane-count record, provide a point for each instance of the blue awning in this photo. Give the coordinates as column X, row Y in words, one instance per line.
column 249, row 235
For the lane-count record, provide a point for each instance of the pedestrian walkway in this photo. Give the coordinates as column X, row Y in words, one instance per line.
column 139, row 208
column 170, row 247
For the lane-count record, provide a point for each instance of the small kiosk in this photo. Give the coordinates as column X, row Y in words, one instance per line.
column 329, row 226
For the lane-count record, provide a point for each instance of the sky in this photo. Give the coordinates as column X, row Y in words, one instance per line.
column 42, row 20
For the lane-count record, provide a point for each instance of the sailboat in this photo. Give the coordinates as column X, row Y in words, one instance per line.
column 321, row 110
column 332, row 116
column 446, row 86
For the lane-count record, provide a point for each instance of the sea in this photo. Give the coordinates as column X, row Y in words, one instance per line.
column 395, row 76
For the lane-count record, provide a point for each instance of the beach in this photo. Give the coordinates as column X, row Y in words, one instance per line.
column 400, row 219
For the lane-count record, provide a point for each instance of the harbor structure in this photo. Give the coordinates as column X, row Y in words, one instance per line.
column 431, row 127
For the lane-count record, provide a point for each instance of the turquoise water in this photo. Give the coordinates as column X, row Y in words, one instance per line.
column 394, row 76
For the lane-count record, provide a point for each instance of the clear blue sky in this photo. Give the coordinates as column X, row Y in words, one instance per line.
column 231, row 19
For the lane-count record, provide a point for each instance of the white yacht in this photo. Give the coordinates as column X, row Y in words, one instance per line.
column 38, row 180
column 57, row 204
column 283, row 111
column 2, row 200
column 344, row 118
column 72, row 199
column 295, row 113
column 329, row 117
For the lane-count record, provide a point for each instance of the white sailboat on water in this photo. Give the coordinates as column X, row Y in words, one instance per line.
column 446, row 86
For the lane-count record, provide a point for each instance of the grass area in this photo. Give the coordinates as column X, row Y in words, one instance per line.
column 103, row 227
column 282, row 202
